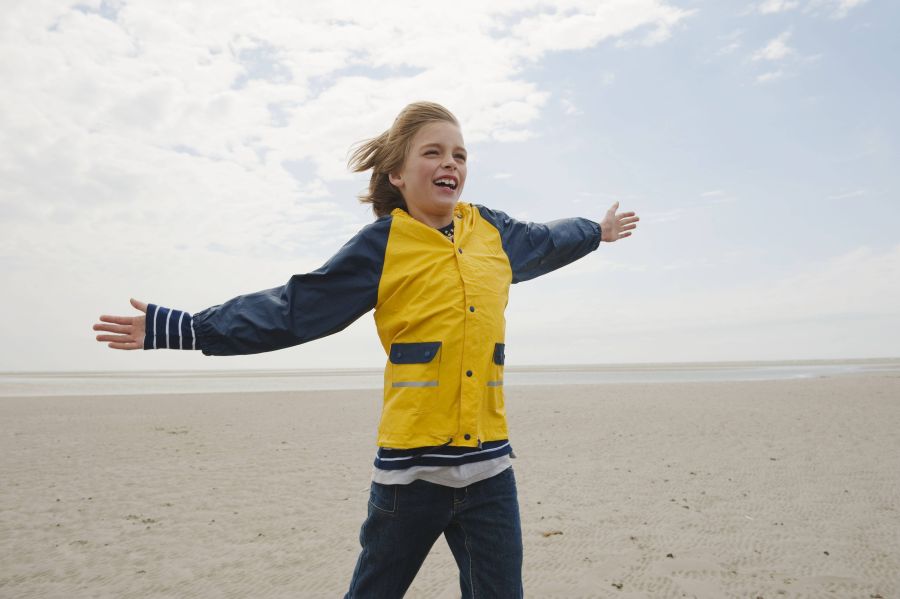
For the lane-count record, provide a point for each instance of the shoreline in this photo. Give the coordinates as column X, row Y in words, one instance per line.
column 253, row 381
column 892, row 361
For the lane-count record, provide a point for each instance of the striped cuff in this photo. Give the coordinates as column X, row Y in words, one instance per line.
column 169, row 329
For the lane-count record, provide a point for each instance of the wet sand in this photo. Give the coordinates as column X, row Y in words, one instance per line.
column 727, row 489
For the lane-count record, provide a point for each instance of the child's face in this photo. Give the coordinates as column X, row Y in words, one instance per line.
column 432, row 177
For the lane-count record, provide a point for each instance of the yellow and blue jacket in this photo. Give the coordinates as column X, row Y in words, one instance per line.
column 439, row 310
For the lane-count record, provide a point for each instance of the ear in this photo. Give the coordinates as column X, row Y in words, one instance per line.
column 396, row 180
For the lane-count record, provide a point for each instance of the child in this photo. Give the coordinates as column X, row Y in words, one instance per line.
column 437, row 272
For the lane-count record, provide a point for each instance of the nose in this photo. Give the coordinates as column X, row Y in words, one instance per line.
column 449, row 162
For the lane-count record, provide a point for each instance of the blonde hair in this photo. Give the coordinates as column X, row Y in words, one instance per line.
column 386, row 154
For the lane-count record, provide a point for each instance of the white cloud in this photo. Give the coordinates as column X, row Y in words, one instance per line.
column 717, row 196
column 859, row 281
column 834, row 308
column 856, row 193
column 94, row 94
column 511, row 135
column 729, row 48
column 707, row 200
column 732, row 42
column 836, row 9
column 770, row 76
column 776, row 50
column 776, row 6
column 138, row 136
column 569, row 107
column 665, row 216
column 579, row 25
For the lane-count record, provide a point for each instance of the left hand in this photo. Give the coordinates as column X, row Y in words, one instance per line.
column 129, row 330
column 614, row 226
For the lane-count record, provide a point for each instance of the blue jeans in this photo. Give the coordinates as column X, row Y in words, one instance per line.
column 481, row 525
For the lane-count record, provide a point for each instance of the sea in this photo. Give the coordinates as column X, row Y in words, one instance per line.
column 40, row 384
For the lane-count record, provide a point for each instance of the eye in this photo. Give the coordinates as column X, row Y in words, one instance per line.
column 430, row 152
column 461, row 157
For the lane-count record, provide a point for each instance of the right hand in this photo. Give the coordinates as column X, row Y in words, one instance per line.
column 129, row 329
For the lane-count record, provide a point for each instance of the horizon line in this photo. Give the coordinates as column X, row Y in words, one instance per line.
column 510, row 368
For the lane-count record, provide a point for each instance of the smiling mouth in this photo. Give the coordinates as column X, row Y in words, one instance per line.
column 446, row 182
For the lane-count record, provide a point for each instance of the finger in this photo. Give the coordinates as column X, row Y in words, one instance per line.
column 117, row 319
column 628, row 227
column 115, row 338
column 630, row 217
column 139, row 305
column 624, row 235
column 114, row 328
column 613, row 208
column 625, row 214
column 133, row 345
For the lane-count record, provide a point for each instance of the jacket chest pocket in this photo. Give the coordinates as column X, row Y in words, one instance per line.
column 415, row 365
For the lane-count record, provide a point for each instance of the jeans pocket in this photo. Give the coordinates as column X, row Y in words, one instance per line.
column 383, row 498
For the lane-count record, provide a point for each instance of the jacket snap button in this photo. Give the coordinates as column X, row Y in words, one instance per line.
column 460, row 250
column 428, row 353
column 471, row 308
column 399, row 354
column 468, row 436
column 468, row 373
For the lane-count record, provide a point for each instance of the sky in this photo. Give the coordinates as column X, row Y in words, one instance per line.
column 186, row 153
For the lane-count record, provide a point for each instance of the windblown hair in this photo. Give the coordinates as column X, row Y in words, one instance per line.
column 387, row 153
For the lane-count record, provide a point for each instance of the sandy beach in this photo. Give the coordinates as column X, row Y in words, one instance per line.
column 721, row 489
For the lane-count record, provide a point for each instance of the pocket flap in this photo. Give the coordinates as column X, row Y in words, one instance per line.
column 499, row 355
column 414, row 353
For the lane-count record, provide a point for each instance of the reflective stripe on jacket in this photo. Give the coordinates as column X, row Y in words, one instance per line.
column 439, row 310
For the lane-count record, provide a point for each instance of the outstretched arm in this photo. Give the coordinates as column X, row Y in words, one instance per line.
column 307, row 307
column 534, row 249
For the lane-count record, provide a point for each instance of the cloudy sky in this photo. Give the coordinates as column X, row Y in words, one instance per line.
column 185, row 153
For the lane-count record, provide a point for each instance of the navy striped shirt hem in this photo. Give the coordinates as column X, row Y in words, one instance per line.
column 440, row 455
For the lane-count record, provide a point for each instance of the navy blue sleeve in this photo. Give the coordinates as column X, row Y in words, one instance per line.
column 308, row 307
column 534, row 249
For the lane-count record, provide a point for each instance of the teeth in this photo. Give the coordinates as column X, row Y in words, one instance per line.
column 448, row 182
